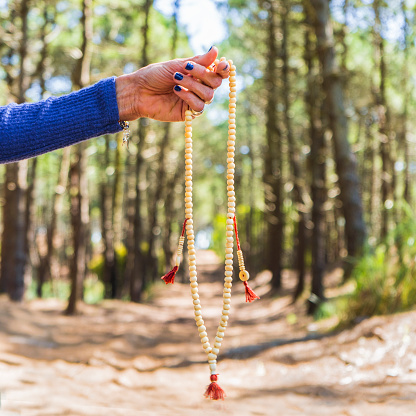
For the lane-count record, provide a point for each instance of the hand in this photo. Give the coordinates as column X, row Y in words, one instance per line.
column 150, row 91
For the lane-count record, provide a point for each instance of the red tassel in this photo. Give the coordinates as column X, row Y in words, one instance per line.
column 170, row 277
column 250, row 295
column 214, row 391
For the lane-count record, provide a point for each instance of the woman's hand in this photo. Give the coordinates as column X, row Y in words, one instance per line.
column 165, row 90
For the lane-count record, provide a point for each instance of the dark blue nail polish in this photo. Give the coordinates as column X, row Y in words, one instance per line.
column 189, row 66
column 209, row 48
column 177, row 88
column 225, row 68
column 178, row 76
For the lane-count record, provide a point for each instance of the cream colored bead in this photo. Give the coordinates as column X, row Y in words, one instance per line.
column 193, row 278
column 226, row 295
column 217, row 345
column 215, row 351
column 230, row 181
column 229, row 268
column 195, row 295
column 203, row 334
column 212, row 361
column 233, row 100
column 228, row 262
column 224, row 318
column 189, row 205
column 225, row 312
column 213, row 368
column 229, row 233
column 226, row 290
column 233, row 89
column 205, row 346
column 194, row 285
column 226, row 301
column 192, row 251
column 231, row 209
column 229, row 250
column 226, row 307
column 229, row 285
column 207, row 349
column 197, row 313
column 192, row 257
column 201, row 328
column 204, row 340
column 196, row 302
column 197, row 307
column 223, row 323
column 228, row 279
column 212, row 356
column 199, row 321
column 229, row 256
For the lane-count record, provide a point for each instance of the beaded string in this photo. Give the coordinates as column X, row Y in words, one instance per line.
column 214, row 391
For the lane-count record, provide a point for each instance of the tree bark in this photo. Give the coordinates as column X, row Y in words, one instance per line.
column 299, row 191
column 78, row 174
column 272, row 164
column 314, row 105
column 14, row 238
column 346, row 165
column 138, row 269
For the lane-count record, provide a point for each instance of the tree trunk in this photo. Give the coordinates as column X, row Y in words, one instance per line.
column 138, row 266
column 387, row 175
column 298, row 182
column 346, row 166
column 110, row 271
column 14, row 238
column 317, row 160
column 407, row 194
column 272, row 164
column 78, row 174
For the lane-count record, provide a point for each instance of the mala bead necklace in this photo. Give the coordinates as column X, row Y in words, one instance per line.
column 214, row 391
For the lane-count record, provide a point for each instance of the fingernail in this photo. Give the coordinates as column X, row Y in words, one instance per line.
column 177, row 88
column 178, row 76
column 225, row 68
column 189, row 66
column 209, row 48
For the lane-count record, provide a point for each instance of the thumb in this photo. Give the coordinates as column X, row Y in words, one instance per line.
column 208, row 58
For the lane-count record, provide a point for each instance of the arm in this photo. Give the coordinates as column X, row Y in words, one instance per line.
column 160, row 91
column 29, row 130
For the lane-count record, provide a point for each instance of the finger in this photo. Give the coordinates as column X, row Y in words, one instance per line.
column 204, row 92
column 208, row 58
column 194, row 102
column 223, row 69
column 201, row 72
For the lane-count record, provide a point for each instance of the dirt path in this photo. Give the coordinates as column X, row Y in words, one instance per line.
column 126, row 359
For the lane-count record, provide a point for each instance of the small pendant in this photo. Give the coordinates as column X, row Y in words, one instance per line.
column 126, row 132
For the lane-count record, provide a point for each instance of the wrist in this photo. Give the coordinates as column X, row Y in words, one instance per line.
column 126, row 95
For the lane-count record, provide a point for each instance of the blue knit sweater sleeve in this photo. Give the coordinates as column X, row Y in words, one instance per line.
column 28, row 130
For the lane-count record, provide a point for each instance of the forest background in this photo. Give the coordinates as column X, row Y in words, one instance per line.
column 325, row 154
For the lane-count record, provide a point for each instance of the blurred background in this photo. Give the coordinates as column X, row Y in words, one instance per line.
column 325, row 150
column 325, row 164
